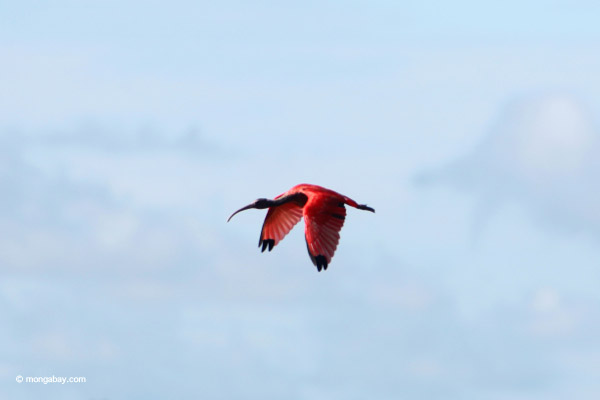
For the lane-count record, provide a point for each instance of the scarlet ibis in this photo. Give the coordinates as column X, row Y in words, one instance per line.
column 324, row 214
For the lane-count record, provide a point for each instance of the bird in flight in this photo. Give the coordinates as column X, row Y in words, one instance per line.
column 324, row 214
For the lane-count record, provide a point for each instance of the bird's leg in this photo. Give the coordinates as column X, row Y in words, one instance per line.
column 365, row 207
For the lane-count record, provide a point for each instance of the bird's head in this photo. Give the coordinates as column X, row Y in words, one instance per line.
column 261, row 203
column 258, row 203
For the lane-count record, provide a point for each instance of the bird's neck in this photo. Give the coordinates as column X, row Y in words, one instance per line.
column 298, row 198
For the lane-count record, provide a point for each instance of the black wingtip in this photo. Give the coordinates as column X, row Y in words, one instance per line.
column 266, row 244
column 321, row 262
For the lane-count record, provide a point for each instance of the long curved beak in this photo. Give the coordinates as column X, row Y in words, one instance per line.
column 242, row 209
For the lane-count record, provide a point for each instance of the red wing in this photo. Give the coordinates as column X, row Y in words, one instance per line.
column 278, row 222
column 323, row 225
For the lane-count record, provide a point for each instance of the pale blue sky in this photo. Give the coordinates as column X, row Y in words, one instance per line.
column 129, row 131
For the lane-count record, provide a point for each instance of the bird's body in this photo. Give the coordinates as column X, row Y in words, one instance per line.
column 324, row 214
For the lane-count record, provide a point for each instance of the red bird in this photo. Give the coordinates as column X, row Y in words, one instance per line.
column 323, row 211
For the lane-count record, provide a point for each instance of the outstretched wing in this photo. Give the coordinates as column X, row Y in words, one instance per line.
column 324, row 220
column 278, row 222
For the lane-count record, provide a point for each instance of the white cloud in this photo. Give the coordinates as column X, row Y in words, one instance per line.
column 545, row 300
column 543, row 153
column 89, row 231
column 68, row 204
column 551, row 316
column 553, row 138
